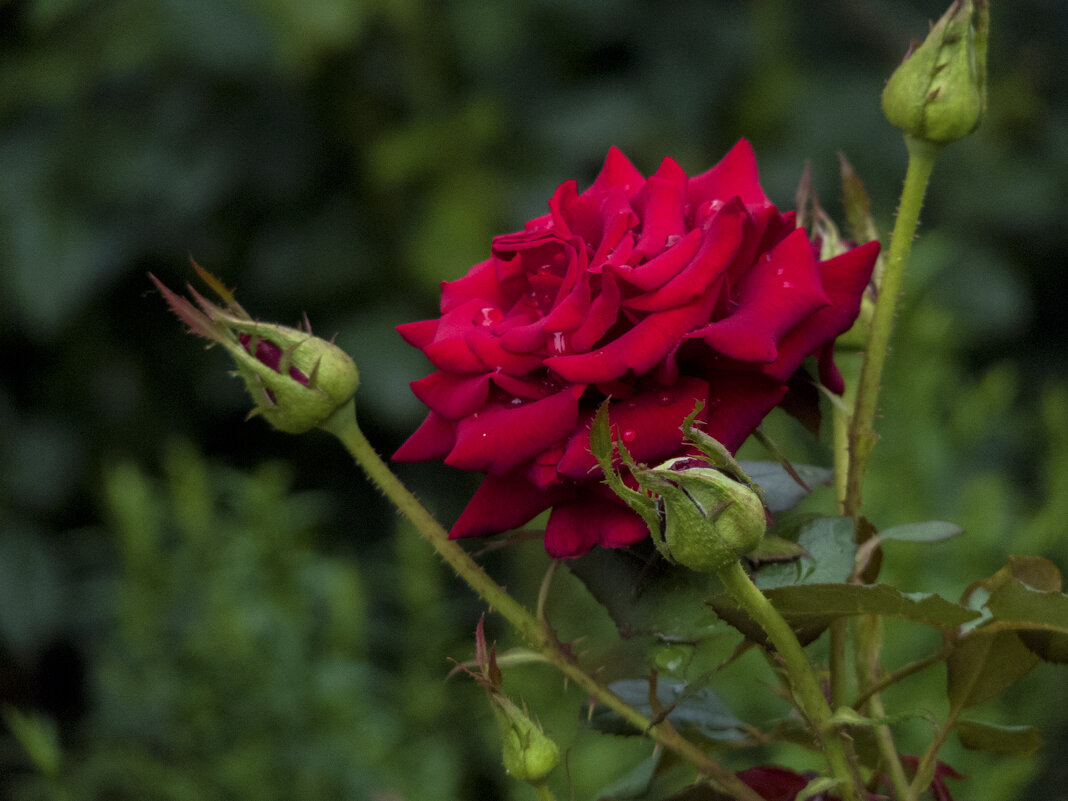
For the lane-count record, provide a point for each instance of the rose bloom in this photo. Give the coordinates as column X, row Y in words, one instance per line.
column 655, row 293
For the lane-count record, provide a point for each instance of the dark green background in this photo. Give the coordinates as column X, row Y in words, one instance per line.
column 205, row 608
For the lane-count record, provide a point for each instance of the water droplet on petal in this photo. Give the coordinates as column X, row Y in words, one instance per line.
column 780, row 271
column 487, row 316
column 559, row 342
column 672, row 240
column 531, row 299
column 665, row 400
column 629, row 435
column 787, row 285
column 631, row 404
column 516, row 401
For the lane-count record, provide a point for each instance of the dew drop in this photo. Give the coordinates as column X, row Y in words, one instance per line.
column 629, row 435
column 665, row 400
column 559, row 343
column 672, row 240
column 780, row 271
column 531, row 299
column 631, row 404
column 544, row 268
column 787, row 285
column 516, row 401
column 487, row 316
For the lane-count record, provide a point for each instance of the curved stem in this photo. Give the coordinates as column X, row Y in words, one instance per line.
column 803, row 680
column 343, row 425
column 861, row 432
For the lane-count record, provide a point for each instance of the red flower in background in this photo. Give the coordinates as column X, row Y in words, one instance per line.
column 657, row 293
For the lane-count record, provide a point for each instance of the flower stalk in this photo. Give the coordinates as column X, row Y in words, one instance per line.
column 862, row 436
column 803, row 681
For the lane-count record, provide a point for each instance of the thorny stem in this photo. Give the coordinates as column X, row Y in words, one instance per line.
column 861, row 432
column 343, row 425
column 803, row 681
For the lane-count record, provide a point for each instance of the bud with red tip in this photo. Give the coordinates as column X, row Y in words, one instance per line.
column 297, row 381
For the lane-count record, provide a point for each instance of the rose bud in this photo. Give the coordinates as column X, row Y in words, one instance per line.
column 708, row 520
column 297, row 381
column 529, row 753
column 938, row 94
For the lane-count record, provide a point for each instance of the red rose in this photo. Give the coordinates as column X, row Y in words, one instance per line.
column 657, row 293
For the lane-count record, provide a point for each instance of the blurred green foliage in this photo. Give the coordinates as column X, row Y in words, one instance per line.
column 224, row 627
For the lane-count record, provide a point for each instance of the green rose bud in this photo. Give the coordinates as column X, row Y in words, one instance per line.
column 938, row 94
column 297, row 381
column 708, row 520
column 529, row 754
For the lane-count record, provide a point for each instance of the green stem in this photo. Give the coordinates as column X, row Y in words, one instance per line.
column 803, row 680
column 343, row 425
column 868, row 646
column 925, row 770
column 861, row 432
column 544, row 793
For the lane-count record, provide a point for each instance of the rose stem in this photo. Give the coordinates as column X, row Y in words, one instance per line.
column 343, row 425
column 862, row 435
column 861, row 432
column 803, row 681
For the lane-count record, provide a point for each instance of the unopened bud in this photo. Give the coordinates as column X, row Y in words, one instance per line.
column 938, row 94
column 529, row 753
column 297, row 381
column 708, row 520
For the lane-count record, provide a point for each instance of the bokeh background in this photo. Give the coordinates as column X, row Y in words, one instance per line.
column 196, row 607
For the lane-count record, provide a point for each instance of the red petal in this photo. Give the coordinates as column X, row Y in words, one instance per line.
column 419, row 334
column 491, row 353
column 658, row 271
column 617, row 173
column 649, row 424
column 601, row 317
column 639, row 349
column 844, row 279
column 452, row 395
column 774, row 783
column 661, row 206
column 480, row 284
column 576, row 526
column 719, row 247
column 738, row 402
column 501, row 438
column 502, row 503
column 778, row 292
column 431, row 441
column 735, row 175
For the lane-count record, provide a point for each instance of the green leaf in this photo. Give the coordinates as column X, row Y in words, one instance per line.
column 781, row 491
column 643, row 594
column 810, row 608
column 829, row 553
column 635, row 783
column 1043, row 616
column 929, row 531
column 983, row 666
column 1014, row 740
column 698, row 711
column 776, row 549
column 38, row 737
